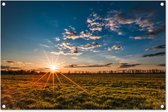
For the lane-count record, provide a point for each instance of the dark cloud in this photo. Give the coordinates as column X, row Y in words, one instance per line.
column 157, row 47
column 83, row 66
column 151, row 34
column 156, row 31
column 9, row 67
column 10, row 62
column 73, row 49
column 126, row 65
column 5, row 67
column 161, row 64
column 154, row 54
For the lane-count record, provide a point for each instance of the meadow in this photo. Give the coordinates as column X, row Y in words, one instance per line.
column 106, row 91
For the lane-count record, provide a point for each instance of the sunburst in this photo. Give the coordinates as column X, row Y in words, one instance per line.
column 54, row 73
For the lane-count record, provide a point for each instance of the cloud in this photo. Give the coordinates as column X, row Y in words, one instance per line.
column 117, row 47
column 142, row 37
column 158, row 47
column 94, row 37
column 73, row 49
column 96, row 29
column 85, row 34
column 94, row 22
column 115, row 19
column 88, row 35
column 120, row 33
column 9, row 67
column 126, row 65
column 151, row 34
column 44, row 45
column 10, row 62
column 66, row 53
column 75, row 58
column 109, row 49
column 115, row 59
column 16, row 63
column 145, row 24
column 83, row 66
column 156, row 31
column 91, row 46
column 71, row 33
column 57, row 39
column 155, row 54
column 161, row 65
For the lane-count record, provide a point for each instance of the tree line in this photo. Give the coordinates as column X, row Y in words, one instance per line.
column 130, row 71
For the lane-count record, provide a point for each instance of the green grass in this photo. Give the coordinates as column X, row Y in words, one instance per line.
column 106, row 91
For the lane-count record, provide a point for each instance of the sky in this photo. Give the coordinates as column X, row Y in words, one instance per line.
column 83, row 35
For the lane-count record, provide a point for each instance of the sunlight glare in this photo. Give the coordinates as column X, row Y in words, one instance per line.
column 53, row 68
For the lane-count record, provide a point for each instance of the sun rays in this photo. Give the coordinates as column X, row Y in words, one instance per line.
column 56, row 76
column 53, row 75
column 53, row 68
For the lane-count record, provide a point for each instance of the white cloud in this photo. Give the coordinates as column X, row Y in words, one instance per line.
column 57, row 39
column 116, row 59
column 95, row 37
column 44, row 45
column 65, row 53
column 142, row 37
column 90, row 46
column 85, row 34
column 120, row 33
column 145, row 24
column 70, row 33
column 75, row 58
column 73, row 49
column 94, row 22
column 117, row 47
column 109, row 49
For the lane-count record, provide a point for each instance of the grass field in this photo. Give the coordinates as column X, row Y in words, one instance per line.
column 106, row 91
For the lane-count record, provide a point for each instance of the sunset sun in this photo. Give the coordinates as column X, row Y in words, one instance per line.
column 53, row 68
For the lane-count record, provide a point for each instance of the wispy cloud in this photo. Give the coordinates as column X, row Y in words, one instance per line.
column 94, row 22
column 91, row 46
column 162, row 65
column 10, row 62
column 65, row 53
column 154, row 54
column 72, row 49
column 45, row 45
column 83, row 66
column 126, row 65
column 71, row 33
column 9, row 67
column 57, row 39
column 75, row 58
column 151, row 34
column 115, row 47
column 115, row 19
column 158, row 47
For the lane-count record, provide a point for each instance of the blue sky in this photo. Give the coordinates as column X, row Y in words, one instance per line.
column 83, row 33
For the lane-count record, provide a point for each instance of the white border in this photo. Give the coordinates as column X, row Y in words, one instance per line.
column 97, row 110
